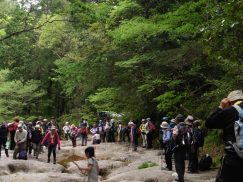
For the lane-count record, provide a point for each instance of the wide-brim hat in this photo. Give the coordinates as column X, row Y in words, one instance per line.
column 235, row 95
column 179, row 118
column 130, row 123
column 164, row 125
column 188, row 122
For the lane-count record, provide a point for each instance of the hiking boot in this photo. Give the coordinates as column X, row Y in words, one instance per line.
column 166, row 169
column 54, row 162
column 48, row 161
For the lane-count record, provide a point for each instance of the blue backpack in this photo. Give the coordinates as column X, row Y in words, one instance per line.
column 23, row 155
column 238, row 130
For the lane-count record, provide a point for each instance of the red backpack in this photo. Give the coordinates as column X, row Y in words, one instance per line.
column 151, row 127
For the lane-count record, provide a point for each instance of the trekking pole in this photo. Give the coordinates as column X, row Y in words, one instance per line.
column 78, row 167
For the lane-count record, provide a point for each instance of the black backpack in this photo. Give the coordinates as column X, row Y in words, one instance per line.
column 198, row 137
column 185, row 135
column 205, row 162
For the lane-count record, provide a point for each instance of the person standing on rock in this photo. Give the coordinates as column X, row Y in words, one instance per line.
column 93, row 167
column 4, row 137
column 20, row 140
column 66, row 130
column 12, row 128
column 166, row 140
column 150, row 130
column 229, row 117
column 142, row 128
column 133, row 135
column 36, row 138
column 53, row 141
column 73, row 134
column 179, row 149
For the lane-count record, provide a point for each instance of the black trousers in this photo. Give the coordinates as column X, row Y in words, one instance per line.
column 231, row 169
column 180, row 156
column 12, row 144
column 3, row 143
column 193, row 159
column 149, row 140
column 168, row 156
column 73, row 138
column 52, row 149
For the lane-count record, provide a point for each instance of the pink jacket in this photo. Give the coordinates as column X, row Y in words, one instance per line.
column 56, row 139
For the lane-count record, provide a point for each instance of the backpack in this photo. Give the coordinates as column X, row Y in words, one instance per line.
column 151, row 127
column 23, row 155
column 198, row 137
column 205, row 162
column 185, row 136
column 238, row 130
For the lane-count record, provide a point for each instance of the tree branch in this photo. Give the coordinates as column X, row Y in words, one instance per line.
column 30, row 29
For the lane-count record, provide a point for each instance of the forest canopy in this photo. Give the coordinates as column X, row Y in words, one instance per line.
column 73, row 58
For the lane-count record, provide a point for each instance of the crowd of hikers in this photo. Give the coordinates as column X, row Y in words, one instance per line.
column 177, row 136
column 180, row 138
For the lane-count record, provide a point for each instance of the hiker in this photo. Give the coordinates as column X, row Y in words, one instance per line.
column 53, row 141
column 94, row 129
column 190, row 150
column 179, row 135
column 73, row 134
column 101, row 128
column 112, row 131
column 45, row 126
column 92, row 168
column 133, row 135
column 229, row 116
column 30, row 129
column 66, row 130
column 119, row 131
column 166, row 140
column 4, row 138
column 83, row 133
column 96, row 138
column 36, row 138
column 198, row 138
column 107, row 131
column 142, row 128
column 12, row 128
column 150, row 130
column 20, row 140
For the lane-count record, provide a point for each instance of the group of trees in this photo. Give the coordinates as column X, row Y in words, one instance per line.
column 141, row 58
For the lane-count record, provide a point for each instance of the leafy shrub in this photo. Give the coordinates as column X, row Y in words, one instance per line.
column 147, row 165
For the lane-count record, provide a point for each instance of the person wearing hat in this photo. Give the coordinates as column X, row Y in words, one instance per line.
column 20, row 140
column 142, row 128
column 36, row 138
column 179, row 148
column 150, row 130
column 166, row 140
column 224, row 118
column 66, row 129
column 133, row 135
column 53, row 140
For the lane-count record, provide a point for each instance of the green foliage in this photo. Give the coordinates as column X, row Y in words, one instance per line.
column 16, row 97
column 104, row 99
column 167, row 101
column 147, row 165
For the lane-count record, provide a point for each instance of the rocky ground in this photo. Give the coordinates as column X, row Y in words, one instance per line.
column 118, row 163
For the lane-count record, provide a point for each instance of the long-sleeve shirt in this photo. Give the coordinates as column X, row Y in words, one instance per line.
column 20, row 136
column 166, row 135
column 53, row 139
column 224, row 119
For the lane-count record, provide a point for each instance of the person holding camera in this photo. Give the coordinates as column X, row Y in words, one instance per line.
column 225, row 117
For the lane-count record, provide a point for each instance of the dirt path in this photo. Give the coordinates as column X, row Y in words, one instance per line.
column 118, row 163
